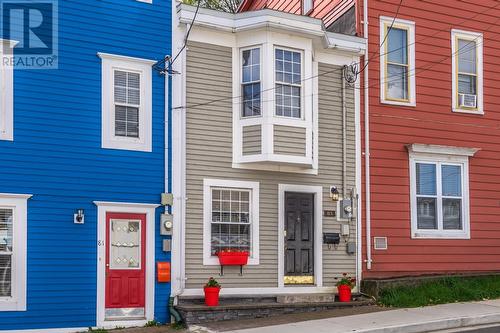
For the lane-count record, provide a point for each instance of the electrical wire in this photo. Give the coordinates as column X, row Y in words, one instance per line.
column 187, row 34
column 357, row 63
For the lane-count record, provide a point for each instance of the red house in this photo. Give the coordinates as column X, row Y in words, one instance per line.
column 430, row 132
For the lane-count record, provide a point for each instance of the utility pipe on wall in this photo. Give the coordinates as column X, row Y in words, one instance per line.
column 366, row 100
column 344, row 135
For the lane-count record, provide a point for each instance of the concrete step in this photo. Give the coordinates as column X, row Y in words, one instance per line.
column 196, row 312
column 306, row 298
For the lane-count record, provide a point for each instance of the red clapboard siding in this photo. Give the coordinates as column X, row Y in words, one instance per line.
column 432, row 122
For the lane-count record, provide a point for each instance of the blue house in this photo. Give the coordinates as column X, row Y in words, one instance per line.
column 84, row 158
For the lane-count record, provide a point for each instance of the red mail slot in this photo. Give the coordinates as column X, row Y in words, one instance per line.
column 163, row 271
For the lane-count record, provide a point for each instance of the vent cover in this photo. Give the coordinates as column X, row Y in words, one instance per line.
column 380, row 243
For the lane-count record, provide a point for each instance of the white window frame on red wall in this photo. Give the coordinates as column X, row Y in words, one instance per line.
column 19, row 206
column 478, row 39
column 409, row 26
column 438, row 155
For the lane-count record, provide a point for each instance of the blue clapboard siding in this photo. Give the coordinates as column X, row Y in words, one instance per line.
column 56, row 155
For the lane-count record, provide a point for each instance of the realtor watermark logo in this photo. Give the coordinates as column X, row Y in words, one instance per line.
column 31, row 27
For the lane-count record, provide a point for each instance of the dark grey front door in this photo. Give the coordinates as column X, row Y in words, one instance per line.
column 299, row 238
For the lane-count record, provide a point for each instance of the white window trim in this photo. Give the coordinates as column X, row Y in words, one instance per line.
column 110, row 63
column 478, row 38
column 243, row 83
column 208, row 259
column 410, row 27
column 307, row 6
column 7, row 91
column 146, row 1
column 268, row 160
column 18, row 202
column 448, row 155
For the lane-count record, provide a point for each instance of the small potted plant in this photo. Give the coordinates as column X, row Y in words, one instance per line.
column 344, row 286
column 212, row 289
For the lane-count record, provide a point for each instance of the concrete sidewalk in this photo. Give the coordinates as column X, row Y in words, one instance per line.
column 426, row 319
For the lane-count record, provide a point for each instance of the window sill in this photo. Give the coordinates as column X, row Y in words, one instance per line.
column 440, row 235
column 8, row 304
column 398, row 103
column 126, row 144
column 476, row 112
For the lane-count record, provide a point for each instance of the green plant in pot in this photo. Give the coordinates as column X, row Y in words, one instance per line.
column 212, row 289
column 344, row 287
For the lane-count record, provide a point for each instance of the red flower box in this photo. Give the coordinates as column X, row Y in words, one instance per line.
column 233, row 258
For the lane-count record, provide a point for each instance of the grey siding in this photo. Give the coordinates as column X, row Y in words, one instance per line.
column 209, row 155
column 252, row 141
column 289, row 140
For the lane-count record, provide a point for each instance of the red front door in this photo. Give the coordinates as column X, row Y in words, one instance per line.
column 125, row 265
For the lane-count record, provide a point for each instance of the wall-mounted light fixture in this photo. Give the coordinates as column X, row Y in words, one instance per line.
column 79, row 216
column 334, row 193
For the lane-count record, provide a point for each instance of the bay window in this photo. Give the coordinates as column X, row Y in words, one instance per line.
column 251, row 82
column 275, row 104
column 288, row 81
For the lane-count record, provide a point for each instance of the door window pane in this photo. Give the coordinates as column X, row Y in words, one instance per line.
column 426, row 213
column 125, row 244
column 452, row 214
column 451, row 176
column 426, row 179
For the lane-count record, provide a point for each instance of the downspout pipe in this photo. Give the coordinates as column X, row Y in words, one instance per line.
column 366, row 101
column 344, row 136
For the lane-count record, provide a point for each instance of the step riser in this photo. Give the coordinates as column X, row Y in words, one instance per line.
column 214, row 315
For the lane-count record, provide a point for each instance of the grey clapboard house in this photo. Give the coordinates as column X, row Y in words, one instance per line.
column 264, row 126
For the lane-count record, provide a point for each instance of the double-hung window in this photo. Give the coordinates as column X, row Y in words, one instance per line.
column 231, row 218
column 251, row 82
column 126, row 102
column 397, row 54
column 467, row 71
column 288, row 83
column 13, row 252
column 439, row 194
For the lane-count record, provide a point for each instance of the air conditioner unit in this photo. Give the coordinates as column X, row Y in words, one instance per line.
column 467, row 100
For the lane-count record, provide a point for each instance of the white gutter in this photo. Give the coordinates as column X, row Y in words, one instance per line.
column 367, row 143
column 267, row 18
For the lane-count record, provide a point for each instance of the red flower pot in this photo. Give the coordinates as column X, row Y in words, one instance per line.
column 344, row 293
column 236, row 258
column 211, row 296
